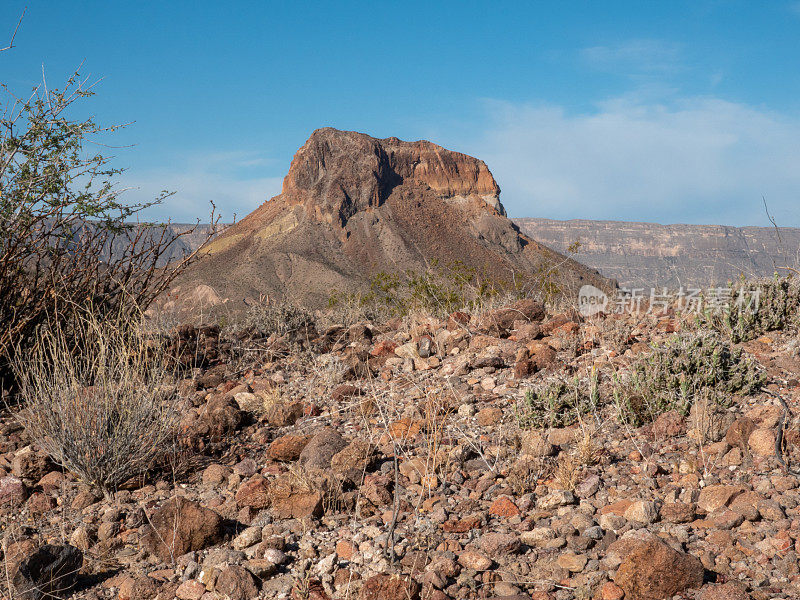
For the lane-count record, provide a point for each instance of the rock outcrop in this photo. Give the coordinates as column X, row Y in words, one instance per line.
column 353, row 206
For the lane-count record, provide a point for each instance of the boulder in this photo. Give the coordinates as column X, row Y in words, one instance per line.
column 321, row 448
column 287, row 448
column 253, row 493
column 500, row 322
column 652, row 570
column 294, row 499
column 236, row 583
column 12, row 491
column 51, row 571
column 727, row 591
column 181, row 526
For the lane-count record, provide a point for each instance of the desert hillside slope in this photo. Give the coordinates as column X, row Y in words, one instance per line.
column 649, row 255
column 353, row 206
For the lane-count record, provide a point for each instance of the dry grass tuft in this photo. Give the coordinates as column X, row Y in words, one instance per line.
column 98, row 399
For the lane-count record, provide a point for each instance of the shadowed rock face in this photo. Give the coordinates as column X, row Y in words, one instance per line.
column 343, row 173
column 353, row 206
column 647, row 255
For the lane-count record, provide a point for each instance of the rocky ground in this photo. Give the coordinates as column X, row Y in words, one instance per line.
column 393, row 461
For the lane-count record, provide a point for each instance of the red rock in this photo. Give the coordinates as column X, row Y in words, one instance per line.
column 220, row 416
column 542, row 355
column 390, row 587
column 739, row 432
column 500, row 544
column 462, row 525
column 611, row 591
column 321, row 448
column 190, row 590
column 500, row 321
column 715, row 497
column 383, row 348
column 345, row 550
column 51, row 482
column 489, row 416
column 181, row 526
column 405, row 428
column 253, row 493
column 616, row 508
column 668, row 425
column 215, row 474
column 504, row 507
column 30, row 465
column 345, row 391
column 287, row 448
column 140, row 587
column 677, row 512
column 726, row 591
column 310, row 590
column 291, row 499
column 524, row 367
column 353, row 460
column 762, row 441
column 40, row 503
column 654, row 571
column 474, row 560
column 457, row 320
column 283, row 415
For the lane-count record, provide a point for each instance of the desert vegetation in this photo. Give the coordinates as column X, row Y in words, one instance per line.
column 67, row 237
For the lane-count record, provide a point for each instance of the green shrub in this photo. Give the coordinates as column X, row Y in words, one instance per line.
column 559, row 402
column 66, row 236
column 677, row 372
column 757, row 307
column 438, row 291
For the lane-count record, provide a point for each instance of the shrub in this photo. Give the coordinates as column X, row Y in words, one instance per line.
column 277, row 318
column 559, row 402
column 677, row 372
column 437, row 291
column 757, row 307
column 105, row 411
column 65, row 234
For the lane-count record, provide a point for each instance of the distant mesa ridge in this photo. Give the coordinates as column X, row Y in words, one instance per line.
column 352, row 206
column 647, row 255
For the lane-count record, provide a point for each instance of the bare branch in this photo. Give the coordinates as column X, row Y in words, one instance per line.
column 14, row 35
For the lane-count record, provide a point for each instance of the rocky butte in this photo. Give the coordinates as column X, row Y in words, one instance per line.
column 353, row 206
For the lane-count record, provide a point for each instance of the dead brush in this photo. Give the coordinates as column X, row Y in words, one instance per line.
column 587, row 450
column 525, row 474
column 262, row 401
column 567, row 471
column 437, row 411
column 100, row 399
column 314, row 480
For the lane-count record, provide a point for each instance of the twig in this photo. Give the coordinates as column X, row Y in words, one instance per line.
column 14, row 35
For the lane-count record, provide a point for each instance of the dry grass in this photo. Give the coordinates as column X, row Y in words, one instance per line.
column 99, row 400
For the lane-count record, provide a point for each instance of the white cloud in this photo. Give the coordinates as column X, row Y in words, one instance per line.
column 234, row 181
column 635, row 57
column 690, row 160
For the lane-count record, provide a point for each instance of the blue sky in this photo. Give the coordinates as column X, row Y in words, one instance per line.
column 668, row 112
